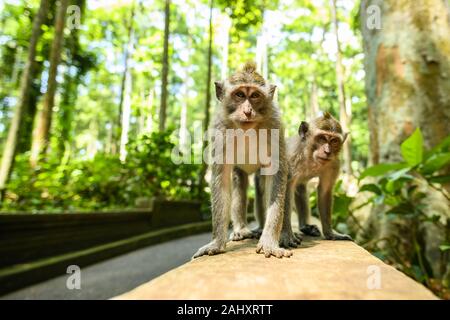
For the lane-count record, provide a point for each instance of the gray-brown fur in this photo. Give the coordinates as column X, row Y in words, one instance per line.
column 246, row 102
column 314, row 152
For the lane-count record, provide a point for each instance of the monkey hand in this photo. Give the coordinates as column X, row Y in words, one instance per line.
column 241, row 234
column 310, row 230
column 290, row 240
column 269, row 247
column 210, row 249
column 333, row 235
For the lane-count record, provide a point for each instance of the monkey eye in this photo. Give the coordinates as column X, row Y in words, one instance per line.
column 240, row 94
column 334, row 141
column 322, row 139
column 255, row 95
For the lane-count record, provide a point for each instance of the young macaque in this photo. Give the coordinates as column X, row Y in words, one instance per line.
column 248, row 111
column 313, row 153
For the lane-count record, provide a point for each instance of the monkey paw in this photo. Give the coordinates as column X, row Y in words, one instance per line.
column 310, row 230
column 244, row 233
column 210, row 249
column 290, row 240
column 337, row 236
column 270, row 249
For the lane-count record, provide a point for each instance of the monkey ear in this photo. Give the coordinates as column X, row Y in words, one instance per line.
column 303, row 129
column 219, row 89
column 272, row 89
column 345, row 136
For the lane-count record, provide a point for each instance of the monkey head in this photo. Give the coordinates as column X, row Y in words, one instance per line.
column 323, row 137
column 246, row 98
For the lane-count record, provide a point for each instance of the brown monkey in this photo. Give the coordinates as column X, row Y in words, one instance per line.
column 313, row 153
column 246, row 108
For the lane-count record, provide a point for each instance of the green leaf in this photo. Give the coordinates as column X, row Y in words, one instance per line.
column 435, row 162
column 443, row 146
column 439, row 179
column 381, row 169
column 444, row 247
column 371, row 188
column 412, row 148
column 402, row 208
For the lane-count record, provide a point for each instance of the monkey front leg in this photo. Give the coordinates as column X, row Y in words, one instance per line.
column 220, row 201
column 239, row 206
column 269, row 241
column 302, row 206
column 288, row 238
column 325, row 193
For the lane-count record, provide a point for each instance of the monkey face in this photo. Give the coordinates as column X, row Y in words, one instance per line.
column 323, row 137
column 326, row 147
column 246, row 106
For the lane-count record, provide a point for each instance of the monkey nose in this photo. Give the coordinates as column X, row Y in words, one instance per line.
column 248, row 113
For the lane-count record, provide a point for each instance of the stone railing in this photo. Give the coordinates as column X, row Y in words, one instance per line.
column 319, row 269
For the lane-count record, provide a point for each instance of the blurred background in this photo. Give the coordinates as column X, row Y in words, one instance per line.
column 94, row 96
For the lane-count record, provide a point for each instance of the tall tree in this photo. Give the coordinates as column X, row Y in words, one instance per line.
column 201, row 181
column 313, row 101
column 407, row 72
column 344, row 117
column 225, row 35
column 125, row 87
column 41, row 133
column 75, row 58
column 10, row 148
column 165, row 68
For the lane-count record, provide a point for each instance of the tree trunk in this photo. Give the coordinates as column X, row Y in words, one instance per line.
column 29, row 114
column 201, row 181
column 41, row 134
column 25, row 87
column 313, row 102
column 184, row 143
column 225, row 46
column 128, row 48
column 149, row 112
column 261, row 48
column 407, row 63
column 343, row 116
column 70, row 88
column 126, row 114
column 165, row 69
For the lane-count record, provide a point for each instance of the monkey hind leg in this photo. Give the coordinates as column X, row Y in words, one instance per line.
column 310, row 230
column 260, row 205
column 244, row 233
column 338, row 236
column 290, row 240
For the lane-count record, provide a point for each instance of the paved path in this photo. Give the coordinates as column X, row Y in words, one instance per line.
column 118, row 275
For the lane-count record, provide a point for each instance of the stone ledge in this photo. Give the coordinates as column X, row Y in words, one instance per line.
column 320, row 269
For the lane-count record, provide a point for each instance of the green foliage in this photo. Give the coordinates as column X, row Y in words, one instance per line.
column 398, row 190
column 103, row 182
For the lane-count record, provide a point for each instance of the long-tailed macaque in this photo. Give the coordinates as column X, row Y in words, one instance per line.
column 247, row 110
column 313, row 153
